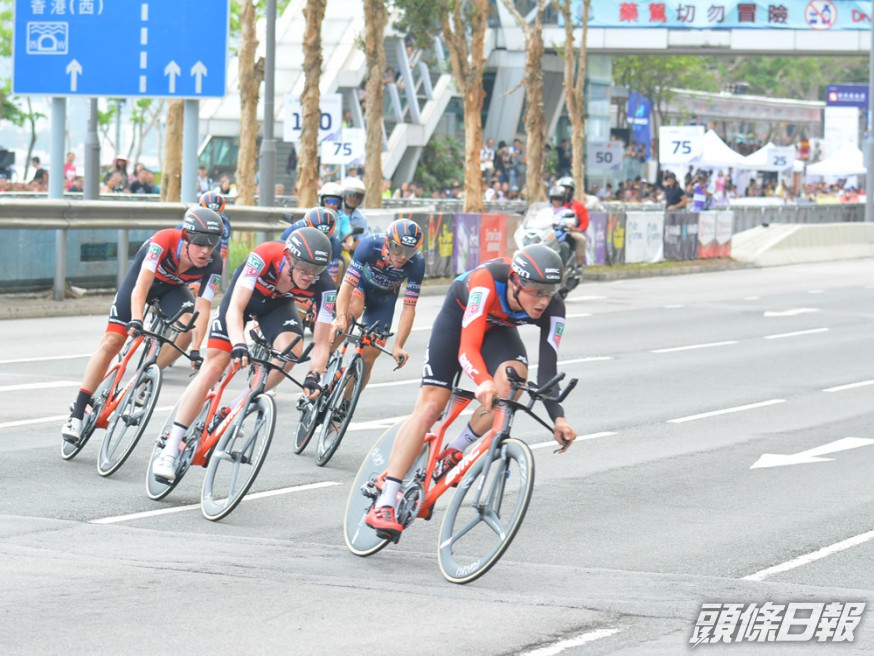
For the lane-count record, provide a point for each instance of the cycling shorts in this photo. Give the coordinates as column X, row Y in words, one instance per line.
column 170, row 298
column 500, row 344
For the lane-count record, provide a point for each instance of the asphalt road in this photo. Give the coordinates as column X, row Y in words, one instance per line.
column 685, row 383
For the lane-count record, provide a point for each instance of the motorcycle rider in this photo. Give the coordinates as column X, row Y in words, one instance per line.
column 577, row 232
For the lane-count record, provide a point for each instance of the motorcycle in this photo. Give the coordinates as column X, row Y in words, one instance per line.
column 543, row 225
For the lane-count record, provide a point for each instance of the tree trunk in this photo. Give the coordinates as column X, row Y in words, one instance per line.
column 467, row 68
column 171, row 177
column 375, row 19
column 308, row 157
column 251, row 76
column 574, row 79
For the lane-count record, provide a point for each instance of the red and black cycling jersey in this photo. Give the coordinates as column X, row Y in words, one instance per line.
column 162, row 255
column 264, row 267
column 481, row 304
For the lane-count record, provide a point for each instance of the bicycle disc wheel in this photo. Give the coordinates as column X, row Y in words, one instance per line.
column 89, row 423
column 360, row 538
column 156, row 489
column 237, row 458
column 473, row 538
column 129, row 421
column 337, row 421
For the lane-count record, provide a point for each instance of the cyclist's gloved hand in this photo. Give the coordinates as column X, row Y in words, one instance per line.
column 240, row 352
column 311, row 384
column 196, row 359
column 134, row 327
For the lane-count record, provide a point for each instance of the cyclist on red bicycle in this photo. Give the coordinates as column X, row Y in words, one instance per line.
column 476, row 332
column 371, row 285
column 165, row 265
column 265, row 287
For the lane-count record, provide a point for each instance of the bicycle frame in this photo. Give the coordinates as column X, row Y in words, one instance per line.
column 116, row 394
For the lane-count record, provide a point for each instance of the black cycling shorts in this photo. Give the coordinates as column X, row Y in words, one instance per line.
column 170, row 298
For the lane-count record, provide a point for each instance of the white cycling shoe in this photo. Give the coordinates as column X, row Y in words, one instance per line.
column 165, row 467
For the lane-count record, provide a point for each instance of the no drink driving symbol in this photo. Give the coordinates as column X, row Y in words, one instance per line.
column 821, row 14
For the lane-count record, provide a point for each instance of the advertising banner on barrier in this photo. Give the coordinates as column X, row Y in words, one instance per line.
column 596, row 238
column 724, row 230
column 466, row 248
column 681, row 236
column 707, row 234
column 644, row 237
column 437, row 245
column 492, row 236
column 615, row 238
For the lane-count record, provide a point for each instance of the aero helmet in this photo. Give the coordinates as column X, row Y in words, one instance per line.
column 202, row 227
column 309, row 250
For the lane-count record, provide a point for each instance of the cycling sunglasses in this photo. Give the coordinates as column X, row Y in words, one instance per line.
column 399, row 250
column 307, row 267
column 539, row 289
column 331, row 201
column 204, row 239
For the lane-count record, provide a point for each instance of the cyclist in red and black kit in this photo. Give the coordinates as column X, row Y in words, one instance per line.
column 476, row 332
column 265, row 287
column 163, row 268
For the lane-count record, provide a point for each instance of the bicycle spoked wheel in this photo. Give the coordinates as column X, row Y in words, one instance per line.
column 360, row 538
column 310, row 417
column 237, row 458
column 89, row 423
column 337, row 418
column 129, row 421
column 156, row 489
column 473, row 538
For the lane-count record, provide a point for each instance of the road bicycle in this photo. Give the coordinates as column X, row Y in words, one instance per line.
column 124, row 409
column 494, row 479
column 343, row 382
column 231, row 442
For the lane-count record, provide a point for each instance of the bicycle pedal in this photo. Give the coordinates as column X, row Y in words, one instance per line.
column 392, row 536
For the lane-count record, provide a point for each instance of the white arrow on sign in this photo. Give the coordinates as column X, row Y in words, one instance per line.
column 811, row 455
column 74, row 70
column 172, row 69
column 198, row 71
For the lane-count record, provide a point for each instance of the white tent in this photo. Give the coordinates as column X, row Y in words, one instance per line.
column 715, row 154
column 847, row 161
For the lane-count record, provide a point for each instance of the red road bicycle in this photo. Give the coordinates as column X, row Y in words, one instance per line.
column 496, row 482
column 231, row 442
column 124, row 408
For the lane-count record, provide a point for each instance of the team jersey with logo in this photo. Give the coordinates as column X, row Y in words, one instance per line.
column 162, row 253
column 370, row 264
column 264, row 267
column 481, row 297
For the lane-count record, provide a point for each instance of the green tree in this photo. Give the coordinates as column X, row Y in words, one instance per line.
column 441, row 163
column 802, row 78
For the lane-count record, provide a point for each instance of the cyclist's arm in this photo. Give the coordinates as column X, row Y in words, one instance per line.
column 473, row 326
column 322, row 349
column 202, row 306
column 552, row 325
column 234, row 318
column 140, row 293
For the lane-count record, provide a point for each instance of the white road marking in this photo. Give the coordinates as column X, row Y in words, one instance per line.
column 752, row 298
column 588, row 298
column 562, row 645
column 740, row 408
column 811, row 456
column 675, row 306
column 693, row 346
column 46, row 385
column 797, row 333
column 47, row 358
column 790, row 313
column 193, row 506
column 841, row 388
column 599, row 358
column 581, row 314
column 48, row 420
column 553, row 443
column 811, row 557
column 394, row 383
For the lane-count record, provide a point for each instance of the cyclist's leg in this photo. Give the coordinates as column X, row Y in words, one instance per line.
column 380, row 307
column 171, row 300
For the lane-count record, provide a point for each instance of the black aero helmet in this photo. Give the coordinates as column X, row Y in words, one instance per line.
column 309, row 250
column 202, row 227
column 214, row 201
column 538, row 268
column 321, row 218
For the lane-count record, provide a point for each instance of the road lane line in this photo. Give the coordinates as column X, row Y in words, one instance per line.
column 194, row 506
column 841, row 388
column 674, row 349
column 797, row 333
column 47, row 358
column 600, row 358
column 562, row 645
column 789, row 313
column 811, row 557
column 48, row 420
column 33, row 386
column 740, row 408
column 410, row 381
column 553, row 443
column 580, row 314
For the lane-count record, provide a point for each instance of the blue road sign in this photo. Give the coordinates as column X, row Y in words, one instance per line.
column 173, row 48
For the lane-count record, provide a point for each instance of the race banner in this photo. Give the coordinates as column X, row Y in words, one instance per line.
column 596, row 238
column 681, row 236
column 437, row 245
column 615, row 238
column 644, row 237
column 493, row 236
column 724, row 230
column 707, row 234
column 466, row 248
